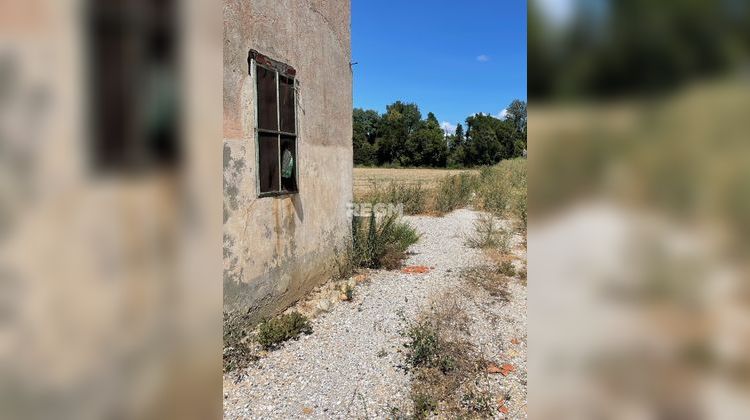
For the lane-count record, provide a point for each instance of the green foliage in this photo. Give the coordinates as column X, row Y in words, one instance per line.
column 502, row 189
column 488, row 234
column 424, row 405
column 454, row 192
column 412, row 196
column 237, row 353
column 506, row 268
column 275, row 331
column 381, row 243
column 425, row 348
column 401, row 138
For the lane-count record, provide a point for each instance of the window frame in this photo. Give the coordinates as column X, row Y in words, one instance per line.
column 280, row 70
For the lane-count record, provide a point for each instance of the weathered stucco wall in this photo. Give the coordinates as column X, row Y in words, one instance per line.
column 278, row 248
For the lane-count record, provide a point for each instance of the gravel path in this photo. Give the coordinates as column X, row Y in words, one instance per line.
column 350, row 366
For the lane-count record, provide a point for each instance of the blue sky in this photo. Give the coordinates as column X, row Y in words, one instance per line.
column 452, row 58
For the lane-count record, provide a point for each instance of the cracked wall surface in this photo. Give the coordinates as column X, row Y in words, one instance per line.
column 277, row 248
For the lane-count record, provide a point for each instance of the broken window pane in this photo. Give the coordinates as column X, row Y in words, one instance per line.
column 268, row 168
column 286, row 104
column 288, row 164
column 267, row 111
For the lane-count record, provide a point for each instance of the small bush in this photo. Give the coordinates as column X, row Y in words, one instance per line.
column 237, row 353
column 502, row 189
column 275, row 331
column 412, row 196
column 381, row 243
column 507, row 269
column 445, row 365
column 488, row 234
column 478, row 403
column 489, row 278
column 424, row 405
column 423, row 345
column 454, row 192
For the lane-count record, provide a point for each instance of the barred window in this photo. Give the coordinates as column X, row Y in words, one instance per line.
column 276, row 125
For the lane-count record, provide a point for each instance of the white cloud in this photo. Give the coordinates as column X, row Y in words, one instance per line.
column 448, row 127
column 483, row 58
column 502, row 114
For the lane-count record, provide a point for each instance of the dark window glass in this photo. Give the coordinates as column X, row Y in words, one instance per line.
column 134, row 90
column 267, row 112
column 286, row 104
column 268, row 168
column 288, row 164
column 276, row 131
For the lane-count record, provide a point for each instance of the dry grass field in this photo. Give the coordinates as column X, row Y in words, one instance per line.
column 365, row 178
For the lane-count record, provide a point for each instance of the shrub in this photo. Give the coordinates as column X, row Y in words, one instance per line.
column 488, row 234
column 412, row 196
column 381, row 243
column 454, row 191
column 502, row 189
column 424, row 405
column 489, row 278
column 275, row 331
column 237, row 354
column 507, row 269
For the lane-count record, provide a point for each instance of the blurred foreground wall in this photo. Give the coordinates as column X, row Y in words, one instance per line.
column 110, row 201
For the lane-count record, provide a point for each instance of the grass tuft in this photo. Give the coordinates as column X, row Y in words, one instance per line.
column 273, row 332
column 488, row 234
column 381, row 243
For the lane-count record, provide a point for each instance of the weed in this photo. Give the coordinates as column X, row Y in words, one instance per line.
column 506, row 268
column 488, row 234
column 424, row 346
column 381, row 243
column 237, row 354
column 479, row 403
column 412, row 196
column 424, row 405
column 275, row 331
column 348, row 292
column 444, row 364
column 489, row 278
column 454, row 191
column 502, row 190
column 382, row 353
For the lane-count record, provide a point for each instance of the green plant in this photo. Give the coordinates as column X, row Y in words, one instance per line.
column 454, row 191
column 412, row 196
column 348, row 292
column 488, row 234
column 237, row 354
column 381, row 243
column 478, row 402
column 423, row 345
column 502, row 190
column 506, row 268
column 489, row 278
column 273, row 332
column 424, row 405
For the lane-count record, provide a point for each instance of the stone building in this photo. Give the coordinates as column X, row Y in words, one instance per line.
column 287, row 149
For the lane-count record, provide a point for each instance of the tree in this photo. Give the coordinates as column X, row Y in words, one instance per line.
column 459, row 136
column 366, row 124
column 518, row 115
column 400, row 121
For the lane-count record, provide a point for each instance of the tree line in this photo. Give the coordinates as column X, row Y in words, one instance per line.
column 401, row 137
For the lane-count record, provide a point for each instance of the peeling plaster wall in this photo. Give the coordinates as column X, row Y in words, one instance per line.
column 278, row 248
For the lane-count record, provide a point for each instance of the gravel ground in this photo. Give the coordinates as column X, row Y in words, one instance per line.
column 350, row 367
